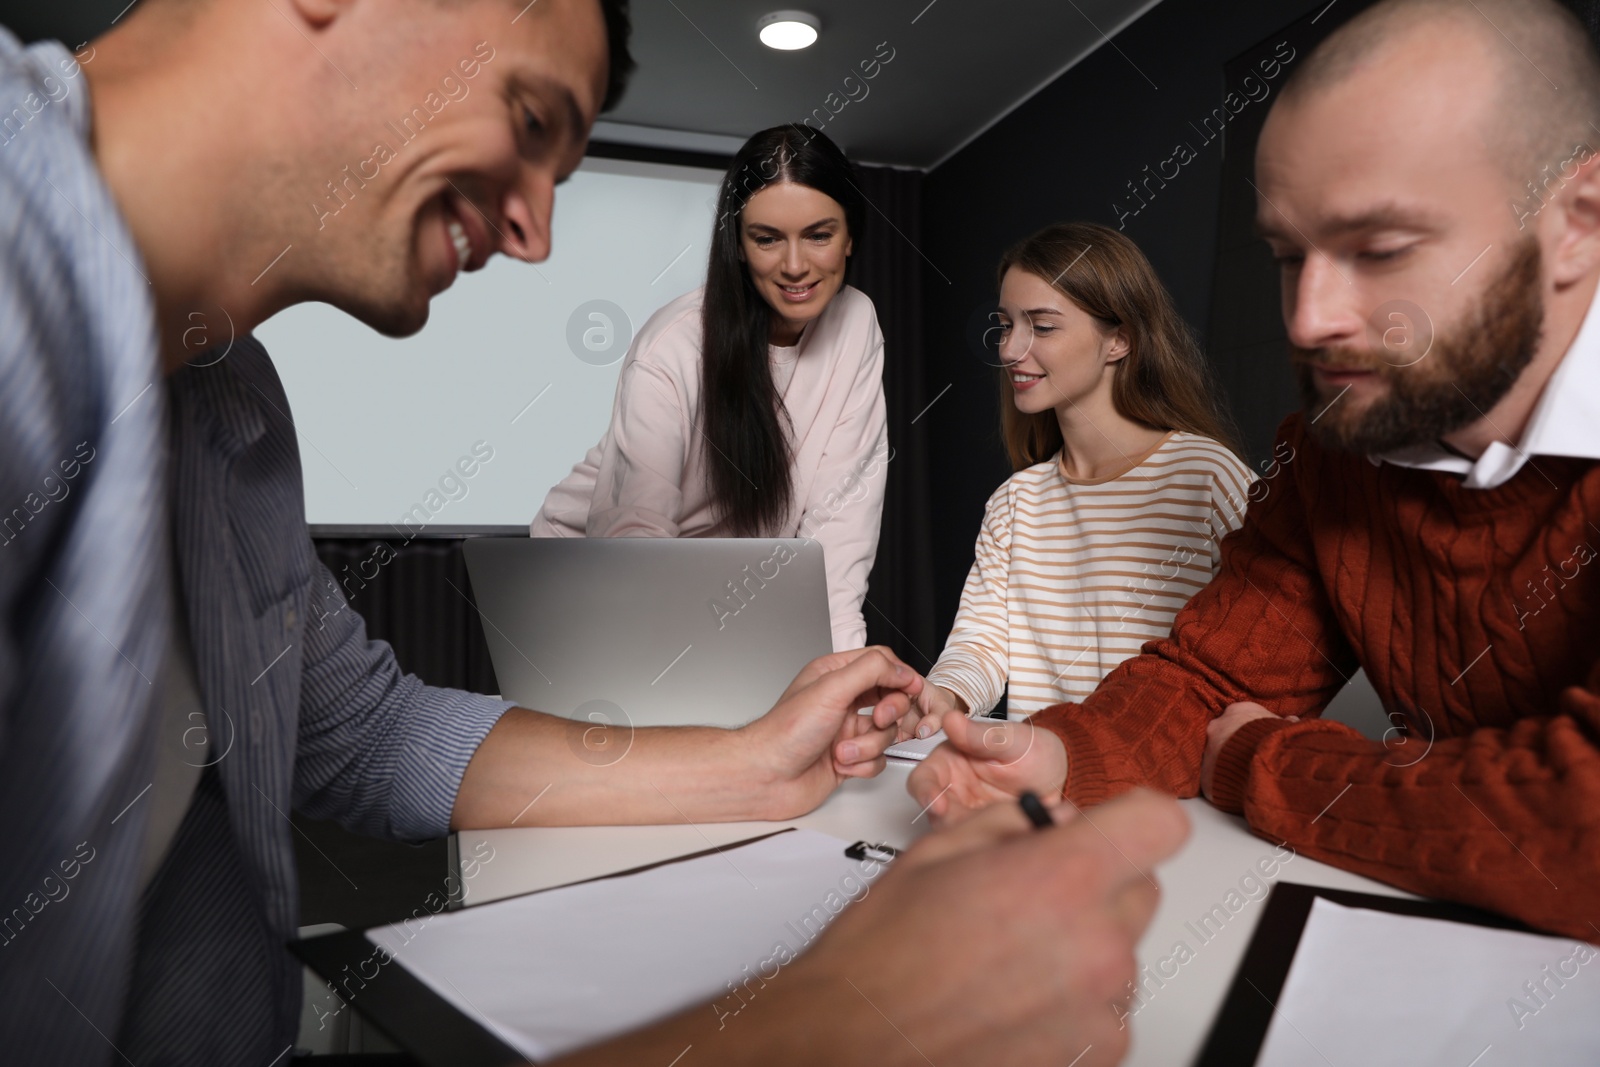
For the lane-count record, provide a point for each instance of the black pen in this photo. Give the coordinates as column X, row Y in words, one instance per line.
column 1034, row 809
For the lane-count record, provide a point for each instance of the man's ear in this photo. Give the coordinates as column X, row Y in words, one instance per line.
column 1576, row 252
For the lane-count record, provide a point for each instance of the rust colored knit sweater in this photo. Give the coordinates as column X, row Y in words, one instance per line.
column 1476, row 615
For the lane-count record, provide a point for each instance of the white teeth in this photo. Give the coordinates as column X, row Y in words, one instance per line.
column 797, row 288
column 458, row 237
column 1026, row 377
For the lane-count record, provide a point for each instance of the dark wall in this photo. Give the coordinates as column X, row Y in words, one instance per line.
column 1071, row 152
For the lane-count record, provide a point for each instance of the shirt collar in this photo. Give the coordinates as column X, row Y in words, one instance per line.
column 1563, row 422
column 224, row 385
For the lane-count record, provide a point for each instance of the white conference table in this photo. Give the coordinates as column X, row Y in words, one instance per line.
column 1171, row 1022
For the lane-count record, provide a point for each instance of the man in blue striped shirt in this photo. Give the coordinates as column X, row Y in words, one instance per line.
column 176, row 670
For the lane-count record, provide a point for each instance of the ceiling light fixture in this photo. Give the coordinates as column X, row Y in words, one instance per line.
column 789, row 30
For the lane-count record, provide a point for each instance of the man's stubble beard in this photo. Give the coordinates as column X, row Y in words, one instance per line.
column 374, row 278
column 1466, row 372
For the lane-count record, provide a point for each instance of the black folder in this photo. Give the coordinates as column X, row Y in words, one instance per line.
column 1240, row 1028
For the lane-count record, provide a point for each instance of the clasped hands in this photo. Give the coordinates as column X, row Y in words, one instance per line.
column 986, row 761
column 820, row 741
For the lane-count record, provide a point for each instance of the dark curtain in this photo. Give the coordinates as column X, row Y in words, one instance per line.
column 421, row 603
column 887, row 266
column 1589, row 12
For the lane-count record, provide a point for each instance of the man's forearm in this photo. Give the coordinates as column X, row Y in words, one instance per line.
column 1498, row 819
column 542, row 770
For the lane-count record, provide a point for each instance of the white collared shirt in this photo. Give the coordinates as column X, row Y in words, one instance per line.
column 1565, row 422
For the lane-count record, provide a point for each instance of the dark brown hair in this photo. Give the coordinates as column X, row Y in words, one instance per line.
column 745, row 446
column 1163, row 382
column 619, row 27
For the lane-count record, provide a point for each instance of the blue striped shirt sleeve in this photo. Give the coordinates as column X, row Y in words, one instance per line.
column 378, row 751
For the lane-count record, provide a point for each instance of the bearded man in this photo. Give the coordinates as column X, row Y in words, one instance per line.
column 1428, row 185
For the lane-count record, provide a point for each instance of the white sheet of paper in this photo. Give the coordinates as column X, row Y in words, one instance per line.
column 918, row 747
column 553, row 971
column 1370, row 989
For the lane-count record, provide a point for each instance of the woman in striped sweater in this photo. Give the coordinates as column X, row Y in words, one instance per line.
column 1126, row 480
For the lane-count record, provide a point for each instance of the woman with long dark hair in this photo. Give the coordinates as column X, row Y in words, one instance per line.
column 754, row 407
column 1126, row 480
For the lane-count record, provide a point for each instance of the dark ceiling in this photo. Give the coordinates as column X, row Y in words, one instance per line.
column 956, row 67
column 942, row 72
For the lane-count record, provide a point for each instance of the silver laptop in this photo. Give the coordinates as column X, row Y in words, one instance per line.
column 650, row 631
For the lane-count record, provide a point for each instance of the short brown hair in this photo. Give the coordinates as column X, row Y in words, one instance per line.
column 619, row 28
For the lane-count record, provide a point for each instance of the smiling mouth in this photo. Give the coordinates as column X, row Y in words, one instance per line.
column 463, row 243
column 1018, row 378
column 464, row 227
column 799, row 290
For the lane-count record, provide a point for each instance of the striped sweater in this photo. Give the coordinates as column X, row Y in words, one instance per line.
column 1070, row 578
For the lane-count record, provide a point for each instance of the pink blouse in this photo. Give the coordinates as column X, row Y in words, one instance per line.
column 647, row 476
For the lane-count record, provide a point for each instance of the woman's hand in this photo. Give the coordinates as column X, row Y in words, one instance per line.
column 928, row 712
